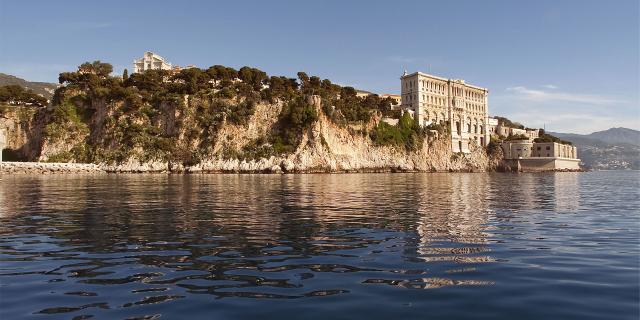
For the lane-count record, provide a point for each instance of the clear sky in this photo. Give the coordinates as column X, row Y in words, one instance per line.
column 573, row 66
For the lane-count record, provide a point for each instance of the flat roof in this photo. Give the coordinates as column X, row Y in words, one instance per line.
column 442, row 79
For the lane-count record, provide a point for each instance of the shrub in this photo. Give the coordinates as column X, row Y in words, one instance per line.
column 295, row 117
column 545, row 137
column 407, row 134
column 516, row 137
column 240, row 113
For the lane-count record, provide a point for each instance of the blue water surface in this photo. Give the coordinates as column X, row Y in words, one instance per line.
column 322, row 246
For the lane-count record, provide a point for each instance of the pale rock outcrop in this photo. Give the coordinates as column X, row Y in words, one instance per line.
column 324, row 147
column 48, row 168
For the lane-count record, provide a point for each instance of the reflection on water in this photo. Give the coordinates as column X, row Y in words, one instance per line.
column 490, row 245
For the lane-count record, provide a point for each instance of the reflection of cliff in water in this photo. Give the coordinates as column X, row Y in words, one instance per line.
column 254, row 209
column 277, row 231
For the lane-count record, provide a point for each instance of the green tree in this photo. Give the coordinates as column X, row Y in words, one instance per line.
column 405, row 134
column 125, row 75
column 92, row 76
column 18, row 95
column 98, row 68
column 304, row 78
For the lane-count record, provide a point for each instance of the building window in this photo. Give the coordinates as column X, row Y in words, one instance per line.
column 548, row 148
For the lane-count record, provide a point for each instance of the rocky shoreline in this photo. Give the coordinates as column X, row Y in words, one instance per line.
column 48, row 168
column 87, row 168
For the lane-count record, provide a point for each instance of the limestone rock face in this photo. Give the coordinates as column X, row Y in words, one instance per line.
column 324, row 147
column 18, row 123
column 327, row 147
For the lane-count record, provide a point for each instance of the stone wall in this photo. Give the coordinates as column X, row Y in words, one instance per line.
column 543, row 164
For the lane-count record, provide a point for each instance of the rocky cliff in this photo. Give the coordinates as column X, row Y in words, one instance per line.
column 324, row 147
column 17, row 122
column 223, row 120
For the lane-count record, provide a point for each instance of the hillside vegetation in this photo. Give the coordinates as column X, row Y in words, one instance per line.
column 612, row 149
column 17, row 95
column 44, row 89
column 178, row 117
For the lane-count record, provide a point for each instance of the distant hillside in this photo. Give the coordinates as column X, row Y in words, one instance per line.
column 618, row 135
column 43, row 88
column 612, row 149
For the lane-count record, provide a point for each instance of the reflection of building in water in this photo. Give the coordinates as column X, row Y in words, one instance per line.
column 453, row 210
column 535, row 192
column 566, row 191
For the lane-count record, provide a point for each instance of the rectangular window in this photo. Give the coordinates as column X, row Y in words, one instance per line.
column 548, row 148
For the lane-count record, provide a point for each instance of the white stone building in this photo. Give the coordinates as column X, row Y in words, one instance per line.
column 438, row 100
column 492, row 125
column 150, row 61
column 540, row 156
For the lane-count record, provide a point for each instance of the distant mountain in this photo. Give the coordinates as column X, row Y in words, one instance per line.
column 42, row 88
column 618, row 135
column 612, row 149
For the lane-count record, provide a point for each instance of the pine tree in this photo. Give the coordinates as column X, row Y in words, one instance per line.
column 125, row 75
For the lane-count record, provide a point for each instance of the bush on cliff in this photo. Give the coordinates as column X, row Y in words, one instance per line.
column 296, row 116
column 545, row 137
column 513, row 137
column 508, row 123
column 493, row 147
column 66, row 120
column 406, row 134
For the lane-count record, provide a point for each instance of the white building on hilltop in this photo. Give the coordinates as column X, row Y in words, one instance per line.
column 150, row 61
column 433, row 99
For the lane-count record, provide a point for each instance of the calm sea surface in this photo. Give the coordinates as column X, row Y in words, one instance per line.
column 370, row 246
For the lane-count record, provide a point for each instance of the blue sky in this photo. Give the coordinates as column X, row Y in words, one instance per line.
column 570, row 65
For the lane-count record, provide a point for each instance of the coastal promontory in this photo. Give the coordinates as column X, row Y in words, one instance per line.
column 224, row 120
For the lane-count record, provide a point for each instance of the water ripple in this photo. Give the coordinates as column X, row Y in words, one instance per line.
column 241, row 246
